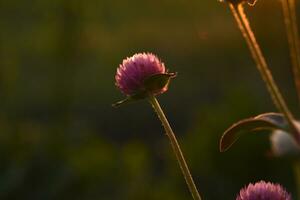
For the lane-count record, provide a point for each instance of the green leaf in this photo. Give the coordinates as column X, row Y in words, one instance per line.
column 158, row 81
column 266, row 121
column 153, row 84
column 132, row 98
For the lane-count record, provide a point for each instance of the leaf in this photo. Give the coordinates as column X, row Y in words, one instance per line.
column 158, row 81
column 121, row 102
column 152, row 84
column 131, row 98
column 266, row 121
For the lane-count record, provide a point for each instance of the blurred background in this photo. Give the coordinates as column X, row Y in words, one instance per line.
column 61, row 139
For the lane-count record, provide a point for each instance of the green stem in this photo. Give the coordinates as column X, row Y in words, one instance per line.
column 290, row 19
column 176, row 148
column 243, row 24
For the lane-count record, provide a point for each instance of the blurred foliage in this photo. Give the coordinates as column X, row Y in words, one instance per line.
column 61, row 139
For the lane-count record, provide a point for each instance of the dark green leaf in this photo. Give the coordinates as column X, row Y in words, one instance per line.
column 152, row 85
column 132, row 98
column 158, row 81
column 264, row 121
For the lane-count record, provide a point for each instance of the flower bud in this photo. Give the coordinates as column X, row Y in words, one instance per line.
column 283, row 144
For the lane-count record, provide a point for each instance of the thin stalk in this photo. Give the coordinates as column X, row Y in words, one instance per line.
column 290, row 19
column 244, row 26
column 176, row 148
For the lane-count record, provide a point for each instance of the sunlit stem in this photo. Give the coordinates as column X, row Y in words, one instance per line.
column 290, row 19
column 297, row 177
column 244, row 26
column 176, row 148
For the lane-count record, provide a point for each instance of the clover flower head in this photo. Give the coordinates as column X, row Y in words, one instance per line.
column 263, row 191
column 133, row 73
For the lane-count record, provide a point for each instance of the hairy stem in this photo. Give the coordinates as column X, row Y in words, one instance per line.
column 244, row 26
column 290, row 19
column 176, row 148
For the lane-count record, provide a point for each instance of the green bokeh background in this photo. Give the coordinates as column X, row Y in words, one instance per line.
column 61, row 139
